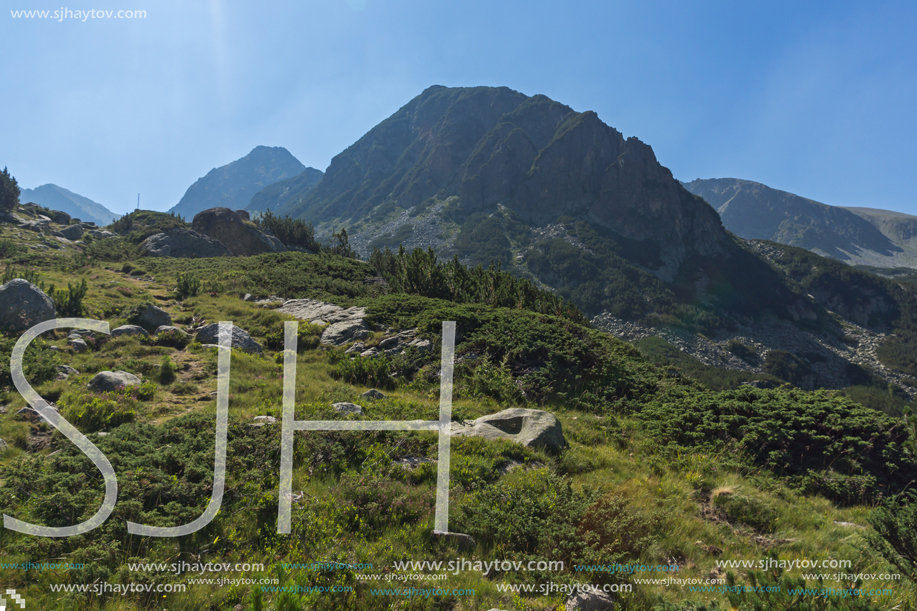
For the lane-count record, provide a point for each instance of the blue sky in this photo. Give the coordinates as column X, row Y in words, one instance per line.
column 818, row 99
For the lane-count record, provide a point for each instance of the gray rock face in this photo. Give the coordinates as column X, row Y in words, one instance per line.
column 529, row 427
column 241, row 236
column 372, row 395
column 240, row 338
column 23, row 305
column 340, row 333
column 590, row 601
column 73, row 232
column 347, row 408
column 321, row 312
column 129, row 330
column 107, row 381
column 151, row 317
column 184, row 244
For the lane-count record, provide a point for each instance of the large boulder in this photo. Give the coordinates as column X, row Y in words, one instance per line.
column 183, row 243
column 107, row 381
column 240, row 338
column 529, row 427
column 23, row 305
column 73, row 232
column 150, row 317
column 59, row 217
column 240, row 235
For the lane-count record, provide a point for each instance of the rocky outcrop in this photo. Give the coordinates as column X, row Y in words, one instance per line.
column 344, row 324
column 341, row 333
column 185, row 244
column 107, row 381
column 529, row 427
column 23, row 305
column 320, row 312
column 210, row 334
column 241, row 236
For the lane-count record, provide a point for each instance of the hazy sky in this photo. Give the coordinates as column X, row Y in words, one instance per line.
column 818, row 99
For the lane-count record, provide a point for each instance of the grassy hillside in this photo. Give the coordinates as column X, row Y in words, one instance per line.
column 660, row 469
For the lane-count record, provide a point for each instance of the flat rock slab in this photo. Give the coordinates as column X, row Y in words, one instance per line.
column 107, row 381
column 321, row 312
column 240, row 338
column 529, row 427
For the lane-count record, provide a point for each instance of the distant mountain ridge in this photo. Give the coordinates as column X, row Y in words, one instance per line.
column 233, row 185
column 54, row 197
column 274, row 196
column 859, row 236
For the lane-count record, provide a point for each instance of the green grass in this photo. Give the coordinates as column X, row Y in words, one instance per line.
column 659, row 468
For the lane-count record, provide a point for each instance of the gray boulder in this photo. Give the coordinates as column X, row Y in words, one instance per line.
column 529, row 427
column 240, row 235
column 107, row 381
column 61, row 218
column 340, row 333
column 3, row 446
column 347, row 408
column 151, row 317
column 240, row 338
column 184, row 244
column 77, row 344
column 73, row 232
column 590, row 601
column 129, row 330
column 23, row 305
column 372, row 395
